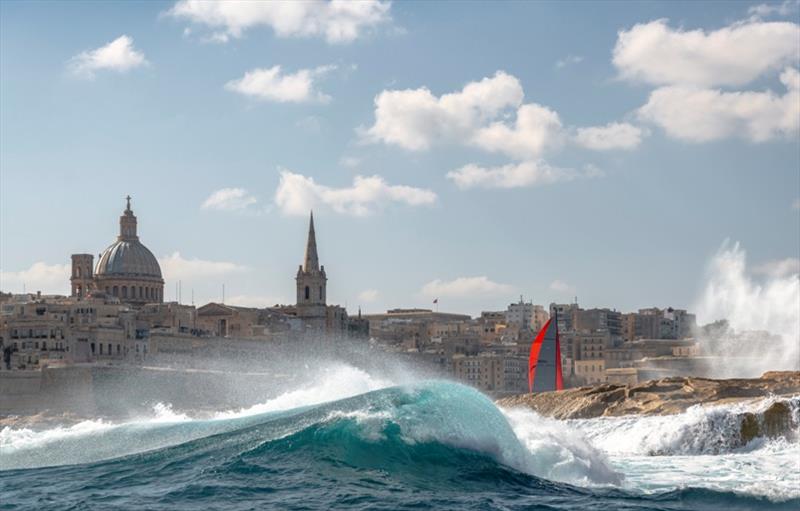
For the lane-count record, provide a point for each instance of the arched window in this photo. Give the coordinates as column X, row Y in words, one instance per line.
column 147, row 293
column 141, row 292
column 320, row 292
column 78, row 272
column 124, row 291
column 308, row 292
column 116, row 291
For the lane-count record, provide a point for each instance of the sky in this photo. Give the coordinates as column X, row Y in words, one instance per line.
column 471, row 152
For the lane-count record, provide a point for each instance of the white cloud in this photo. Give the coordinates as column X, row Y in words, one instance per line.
column 536, row 128
column 368, row 295
column 568, row 60
column 176, row 267
column 516, row 175
column 560, row 286
column 782, row 9
column 464, row 287
column 118, row 55
column 229, row 199
column 614, row 135
column 337, row 21
column 734, row 55
column 779, row 268
column 415, row 119
column 489, row 114
column 297, row 194
column 701, row 115
column 47, row 278
column 269, row 84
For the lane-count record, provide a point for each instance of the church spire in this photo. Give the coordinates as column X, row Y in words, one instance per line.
column 312, row 259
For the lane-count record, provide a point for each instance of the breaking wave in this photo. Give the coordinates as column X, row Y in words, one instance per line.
column 354, row 441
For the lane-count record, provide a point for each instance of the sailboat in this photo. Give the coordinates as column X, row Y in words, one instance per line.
column 544, row 363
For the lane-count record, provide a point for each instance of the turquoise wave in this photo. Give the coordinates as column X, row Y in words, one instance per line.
column 435, row 445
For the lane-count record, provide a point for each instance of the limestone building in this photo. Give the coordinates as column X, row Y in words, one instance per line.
column 126, row 269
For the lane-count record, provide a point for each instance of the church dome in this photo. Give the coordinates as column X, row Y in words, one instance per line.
column 128, row 258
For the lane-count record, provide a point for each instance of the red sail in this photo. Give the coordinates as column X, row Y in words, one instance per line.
column 534, row 356
column 546, row 357
column 559, row 374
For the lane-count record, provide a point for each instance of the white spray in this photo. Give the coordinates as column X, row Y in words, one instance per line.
column 763, row 315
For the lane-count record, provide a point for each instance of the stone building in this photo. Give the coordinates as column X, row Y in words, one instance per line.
column 126, row 269
column 492, row 372
column 37, row 331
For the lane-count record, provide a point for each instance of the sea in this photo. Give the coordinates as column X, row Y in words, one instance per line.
column 355, row 440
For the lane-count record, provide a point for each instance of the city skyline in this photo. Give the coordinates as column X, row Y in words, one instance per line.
column 192, row 117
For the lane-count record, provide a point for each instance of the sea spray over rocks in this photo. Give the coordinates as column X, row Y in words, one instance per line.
column 760, row 313
column 700, row 430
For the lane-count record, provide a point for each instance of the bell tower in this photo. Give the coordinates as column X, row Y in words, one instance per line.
column 82, row 278
column 311, row 279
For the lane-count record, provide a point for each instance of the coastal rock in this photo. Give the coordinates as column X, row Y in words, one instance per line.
column 662, row 397
column 675, row 395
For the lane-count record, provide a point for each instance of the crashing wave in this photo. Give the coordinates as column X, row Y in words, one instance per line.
column 699, row 430
column 397, row 420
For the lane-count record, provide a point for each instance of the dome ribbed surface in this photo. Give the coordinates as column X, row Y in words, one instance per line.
column 128, row 257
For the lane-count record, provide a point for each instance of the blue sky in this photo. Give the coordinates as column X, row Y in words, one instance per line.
column 472, row 152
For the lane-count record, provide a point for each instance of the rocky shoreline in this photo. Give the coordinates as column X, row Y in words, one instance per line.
column 655, row 397
column 675, row 395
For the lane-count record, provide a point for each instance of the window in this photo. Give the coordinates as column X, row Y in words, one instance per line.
column 308, row 293
column 320, row 292
column 109, row 348
column 116, row 291
column 101, row 348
